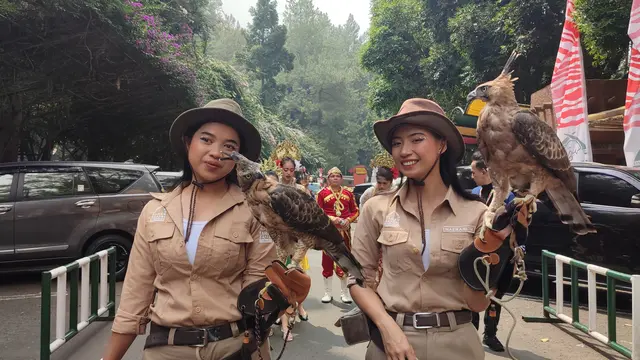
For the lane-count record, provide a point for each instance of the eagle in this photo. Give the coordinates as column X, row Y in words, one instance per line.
column 524, row 153
column 292, row 218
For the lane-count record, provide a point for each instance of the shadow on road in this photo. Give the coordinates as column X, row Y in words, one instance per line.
column 518, row 354
column 588, row 341
column 310, row 340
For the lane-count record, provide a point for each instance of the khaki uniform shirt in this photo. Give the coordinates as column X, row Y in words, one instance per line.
column 391, row 222
column 233, row 251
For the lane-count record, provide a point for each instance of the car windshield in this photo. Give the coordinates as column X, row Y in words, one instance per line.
column 635, row 173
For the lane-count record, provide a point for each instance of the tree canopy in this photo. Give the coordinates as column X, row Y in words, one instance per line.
column 104, row 79
column 442, row 49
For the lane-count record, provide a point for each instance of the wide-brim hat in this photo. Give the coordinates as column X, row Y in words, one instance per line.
column 425, row 113
column 224, row 111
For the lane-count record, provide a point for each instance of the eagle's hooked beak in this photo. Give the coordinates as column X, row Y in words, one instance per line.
column 233, row 156
column 472, row 95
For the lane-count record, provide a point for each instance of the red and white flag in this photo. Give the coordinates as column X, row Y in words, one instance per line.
column 569, row 92
column 632, row 104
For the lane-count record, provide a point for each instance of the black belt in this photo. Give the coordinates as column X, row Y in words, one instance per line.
column 159, row 335
column 426, row 320
column 422, row 321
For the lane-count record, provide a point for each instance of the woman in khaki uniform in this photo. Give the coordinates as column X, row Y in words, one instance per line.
column 196, row 248
column 421, row 307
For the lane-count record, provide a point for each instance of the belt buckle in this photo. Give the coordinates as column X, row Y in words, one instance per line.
column 415, row 320
column 205, row 339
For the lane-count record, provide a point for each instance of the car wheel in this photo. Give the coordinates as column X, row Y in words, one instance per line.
column 123, row 249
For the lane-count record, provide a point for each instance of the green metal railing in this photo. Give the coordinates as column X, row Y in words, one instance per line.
column 592, row 270
column 97, row 298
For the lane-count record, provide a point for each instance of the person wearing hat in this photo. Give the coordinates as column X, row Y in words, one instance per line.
column 196, row 249
column 421, row 308
column 340, row 205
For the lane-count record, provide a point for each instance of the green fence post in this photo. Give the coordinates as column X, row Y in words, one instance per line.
column 611, row 309
column 73, row 301
column 575, row 305
column 95, row 282
column 112, row 281
column 545, row 283
column 45, row 316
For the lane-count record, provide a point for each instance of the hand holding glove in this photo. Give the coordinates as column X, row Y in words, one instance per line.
column 512, row 224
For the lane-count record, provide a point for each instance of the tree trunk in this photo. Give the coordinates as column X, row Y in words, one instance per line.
column 10, row 125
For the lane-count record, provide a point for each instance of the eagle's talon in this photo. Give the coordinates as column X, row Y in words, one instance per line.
column 488, row 220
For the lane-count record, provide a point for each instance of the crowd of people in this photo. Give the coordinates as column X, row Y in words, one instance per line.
column 198, row 248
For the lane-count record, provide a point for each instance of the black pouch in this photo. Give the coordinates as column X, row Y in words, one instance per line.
column 356, row 326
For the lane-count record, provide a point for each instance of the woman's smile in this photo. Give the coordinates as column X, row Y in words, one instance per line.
column 408, row 163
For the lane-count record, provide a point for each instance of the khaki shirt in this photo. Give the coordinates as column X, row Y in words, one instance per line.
column 390, row 222
column 233, row 251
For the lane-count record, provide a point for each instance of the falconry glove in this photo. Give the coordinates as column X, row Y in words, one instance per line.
column 267, row 299
column 503, row 243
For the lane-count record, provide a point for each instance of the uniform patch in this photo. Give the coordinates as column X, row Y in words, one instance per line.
column 159, row 215
column 459, row 229
column 265, row 238
column 392, row 220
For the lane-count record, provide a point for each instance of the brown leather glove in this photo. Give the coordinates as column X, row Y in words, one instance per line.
column 292, row 283
column 509, row 230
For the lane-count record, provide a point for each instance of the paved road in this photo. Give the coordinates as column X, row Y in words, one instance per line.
column 316, row 339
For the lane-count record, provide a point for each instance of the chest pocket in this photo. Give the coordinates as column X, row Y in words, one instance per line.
column 228, row 248
column 396, row 250
column 160, row 236
column 454, row 240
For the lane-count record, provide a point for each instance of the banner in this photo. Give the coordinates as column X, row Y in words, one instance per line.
column 569, row 92
column 631, row 122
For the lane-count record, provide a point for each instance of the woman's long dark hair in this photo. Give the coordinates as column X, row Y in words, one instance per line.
column 449, row 175
column 187, row 171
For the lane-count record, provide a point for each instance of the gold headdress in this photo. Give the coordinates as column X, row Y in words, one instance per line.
column 382, row 159
column 334, row 170
column 283, row 150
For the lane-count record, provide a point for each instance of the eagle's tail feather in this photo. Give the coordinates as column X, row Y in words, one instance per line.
column 569, row 210
column 346, row 261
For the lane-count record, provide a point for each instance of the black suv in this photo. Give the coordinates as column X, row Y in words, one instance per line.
column 608, row 195
column 55, row 212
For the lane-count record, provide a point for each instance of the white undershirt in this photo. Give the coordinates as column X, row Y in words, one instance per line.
column 427, row 250
column 192, row 243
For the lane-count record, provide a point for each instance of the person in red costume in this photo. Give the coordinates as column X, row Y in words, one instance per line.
column 340, row 205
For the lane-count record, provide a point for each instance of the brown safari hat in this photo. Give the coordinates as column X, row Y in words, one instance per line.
column 225, row 111
column 425, row 113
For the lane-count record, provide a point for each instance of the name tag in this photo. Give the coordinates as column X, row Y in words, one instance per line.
column 459, row 229
column 265, row 238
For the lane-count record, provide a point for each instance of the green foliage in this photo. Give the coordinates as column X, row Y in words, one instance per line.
column 398, row 42
column 443, row 49
column 218, row 79
column 227, row 41
column 603, row 27
column 265, row 54
column 326, row 90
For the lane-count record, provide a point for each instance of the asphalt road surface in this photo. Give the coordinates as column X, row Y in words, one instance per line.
column 316, row 339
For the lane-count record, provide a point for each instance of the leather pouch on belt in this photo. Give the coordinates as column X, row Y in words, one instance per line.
column 356, row 326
